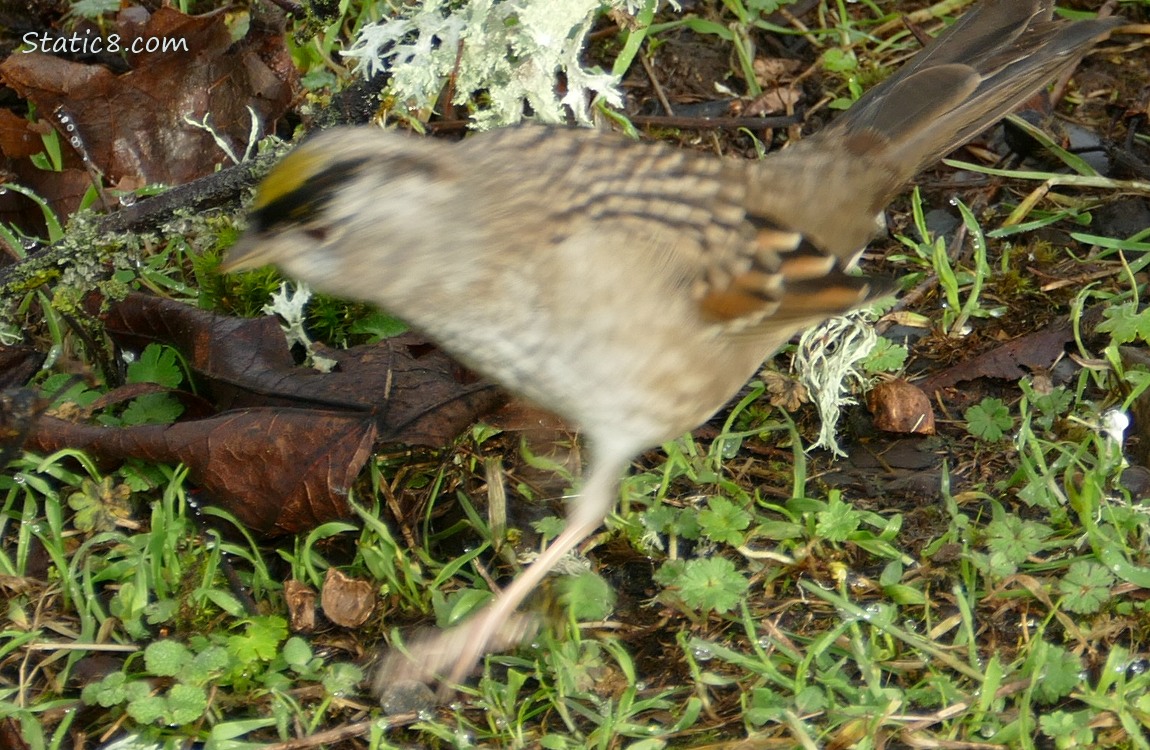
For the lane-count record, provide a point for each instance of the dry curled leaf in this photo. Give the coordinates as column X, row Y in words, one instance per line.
column 300, row 599
column 897, row 406
column 346, row 601
column 786, row 393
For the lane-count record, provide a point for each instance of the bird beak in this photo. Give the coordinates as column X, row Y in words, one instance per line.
column 246, row 254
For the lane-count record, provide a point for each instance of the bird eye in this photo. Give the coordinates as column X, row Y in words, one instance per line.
column 317, row 233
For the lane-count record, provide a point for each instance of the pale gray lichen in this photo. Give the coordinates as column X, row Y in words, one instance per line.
column 288, row 304
column 827, row 362
column 511, row 50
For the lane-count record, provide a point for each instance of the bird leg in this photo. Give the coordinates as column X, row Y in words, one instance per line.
column 453, row 653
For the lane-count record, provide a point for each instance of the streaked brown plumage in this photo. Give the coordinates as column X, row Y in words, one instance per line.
column 629, row 287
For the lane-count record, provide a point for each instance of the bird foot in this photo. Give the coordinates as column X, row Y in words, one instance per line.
column 448, row 656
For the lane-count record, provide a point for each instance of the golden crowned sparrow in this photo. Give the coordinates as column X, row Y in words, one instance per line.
column 630, row 287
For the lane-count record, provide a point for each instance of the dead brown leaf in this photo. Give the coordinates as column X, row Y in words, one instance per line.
column 415, row 394
column 279, row 471
column 290, row 441
column 134, row 126
column 1011, row 361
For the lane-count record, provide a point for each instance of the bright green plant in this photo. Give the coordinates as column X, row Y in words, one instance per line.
column 988, row 420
